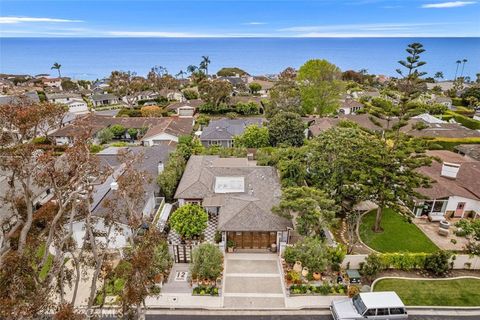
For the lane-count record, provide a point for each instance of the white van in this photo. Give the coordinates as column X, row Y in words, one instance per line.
column 370, row 305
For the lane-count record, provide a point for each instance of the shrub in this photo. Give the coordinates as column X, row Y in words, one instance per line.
column 151, row 111
column 118, row 130
column 466, row 121
column 127, row 112
column 207, row 262
column 437, row 263
column 353, row 291
column 255, row 87
column 249, row 108
column 190, row 220
column 203, row 120
column 190, row 94
column 372, row 266
column 132, row 132
column 253, row 137
column 41, row 140
column 311, row 252
column 95, row 148
column 403, row 261
column 206, row 291
column 105, row 135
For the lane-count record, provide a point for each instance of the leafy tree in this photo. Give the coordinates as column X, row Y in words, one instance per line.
column 311, row 251
column 151, row 111
column 438, row 75
column 285, row 95
column 171, row 175
column 207, row 262
column 437, row 263
column 253, row 137
column 372, row 266
column 311, row 209
column 215, row 92
column 117, row 130
column 249, row 108
column 190, row 94
column 57, row 66
column 128, row 85
column 255, row 87
column 230, row 72
column 69, row 85
column 286, row 128
column 105, row 135
column 320, row 86
column 132, row 132
column 159, row 80
column 190, row 220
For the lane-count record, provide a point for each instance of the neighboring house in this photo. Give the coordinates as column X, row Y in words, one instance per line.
column 455, row 191
column 222, row 132
column 52, row 82
column 151, row 165
column 469, row 150
column 30, row 97
column 142, row 96
column 104, row 99
column 174, row 126
column 186, row 108
column 239, row 195
column 74, row 101
column 168, row 131
column 349, row 106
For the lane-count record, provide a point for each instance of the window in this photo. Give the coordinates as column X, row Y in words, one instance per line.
column 358, row 304
column 382, row 312
column 397, row 311
column 370, row 312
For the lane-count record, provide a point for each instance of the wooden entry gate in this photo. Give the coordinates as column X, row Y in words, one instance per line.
column 252, row 240
column 182, row 253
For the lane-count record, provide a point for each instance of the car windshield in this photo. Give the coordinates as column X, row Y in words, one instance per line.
column 358, row 304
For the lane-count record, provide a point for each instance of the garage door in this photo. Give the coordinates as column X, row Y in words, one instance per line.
column 253, row 240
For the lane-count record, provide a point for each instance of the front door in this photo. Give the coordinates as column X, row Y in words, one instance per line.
column 460, row 209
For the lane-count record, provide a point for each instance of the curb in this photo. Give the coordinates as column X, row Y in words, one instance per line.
column 432, row 307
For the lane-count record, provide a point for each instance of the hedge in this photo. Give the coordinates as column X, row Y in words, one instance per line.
column 403, row 261
column 465, row 121
column 450, row 143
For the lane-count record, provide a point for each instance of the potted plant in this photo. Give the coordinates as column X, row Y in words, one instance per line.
column 317, row 276
column 230, row 246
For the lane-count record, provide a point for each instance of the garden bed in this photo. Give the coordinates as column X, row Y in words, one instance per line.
column 459, row 292
column 206, row 291
column 399, row 235
column 317, row 290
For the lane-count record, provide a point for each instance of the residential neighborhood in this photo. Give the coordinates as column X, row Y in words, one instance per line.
column 229, row 191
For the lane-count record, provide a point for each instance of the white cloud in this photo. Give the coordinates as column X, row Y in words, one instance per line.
column 15, row 20
column 160, row 34
column 255, row 23
column 450, row 4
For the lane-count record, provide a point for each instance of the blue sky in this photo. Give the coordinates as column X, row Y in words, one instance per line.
column 246, row 18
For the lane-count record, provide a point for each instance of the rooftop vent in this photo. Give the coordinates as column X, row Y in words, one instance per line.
column 114, row 185
column 450, row 170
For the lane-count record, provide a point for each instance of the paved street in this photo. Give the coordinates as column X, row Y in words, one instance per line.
column 289, row 317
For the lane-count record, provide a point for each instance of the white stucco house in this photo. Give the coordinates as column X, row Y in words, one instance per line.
column 455, row 191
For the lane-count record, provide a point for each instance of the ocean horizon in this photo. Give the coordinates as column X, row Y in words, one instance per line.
column 95, row 58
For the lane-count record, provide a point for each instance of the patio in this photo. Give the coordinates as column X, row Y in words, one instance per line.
column 443, row 242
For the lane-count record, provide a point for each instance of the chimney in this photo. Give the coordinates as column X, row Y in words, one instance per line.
column 114, row 185
column 161, row 166
column 450, row 170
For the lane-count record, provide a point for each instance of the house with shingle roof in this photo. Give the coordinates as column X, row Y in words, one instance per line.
column 222, row 131
column 455, row 191
column 239, row 195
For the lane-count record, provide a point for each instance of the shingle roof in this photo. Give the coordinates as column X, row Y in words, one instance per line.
column 249, row 210
column 466, row 184
column 226, row 129
column 190, row 103
column 471, row 150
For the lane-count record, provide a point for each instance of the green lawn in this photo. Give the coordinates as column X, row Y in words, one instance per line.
column 398, row 235
column 457, row 292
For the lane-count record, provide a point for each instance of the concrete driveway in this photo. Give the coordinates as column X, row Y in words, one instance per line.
column 253, row 281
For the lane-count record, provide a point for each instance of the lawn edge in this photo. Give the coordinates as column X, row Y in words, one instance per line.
column 430, row 279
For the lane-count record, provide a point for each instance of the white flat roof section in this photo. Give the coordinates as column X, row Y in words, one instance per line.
column 387, row 299
column 229, row 184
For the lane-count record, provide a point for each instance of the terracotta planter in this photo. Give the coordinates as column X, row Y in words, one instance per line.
column 297, row 267
column 159, row 278
column 305, row 272
column 317, row 276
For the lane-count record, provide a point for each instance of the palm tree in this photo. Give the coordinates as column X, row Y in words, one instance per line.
column 456, row 70
column 438, row 75
column 180, row 74
column 191, row 68
column 204, row 64
column 57, row 66
column 463, row 66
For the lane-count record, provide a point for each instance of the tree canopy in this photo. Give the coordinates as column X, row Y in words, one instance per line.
column 189, row 221
column 253, row 137
column 286, row 128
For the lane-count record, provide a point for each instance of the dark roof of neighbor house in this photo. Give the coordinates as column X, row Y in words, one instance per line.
column 151, row 156
column 470, row 150
column 247, row 209
column 226, row 129
column 432, row 130
column 104, row 96
column 195, row 103
column 30, row 97
column 96, row 122
column 175, row 126
column 466, row 184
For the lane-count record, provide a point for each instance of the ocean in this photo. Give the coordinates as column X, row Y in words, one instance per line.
column 95, row 58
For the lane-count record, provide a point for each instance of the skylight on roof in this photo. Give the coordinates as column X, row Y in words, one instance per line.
column 229, row 184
